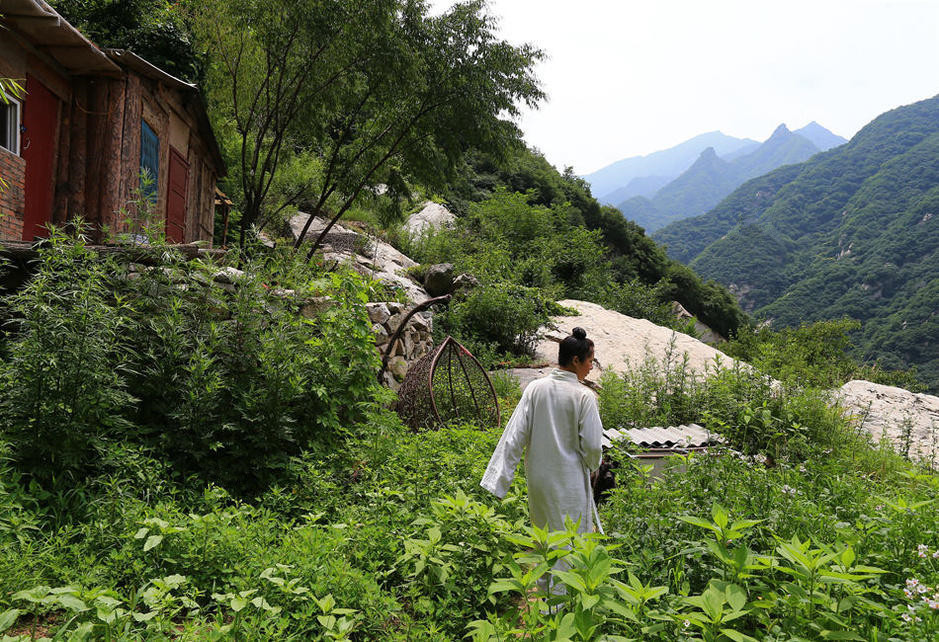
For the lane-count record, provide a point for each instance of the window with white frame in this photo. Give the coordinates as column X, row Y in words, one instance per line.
column 10, row 120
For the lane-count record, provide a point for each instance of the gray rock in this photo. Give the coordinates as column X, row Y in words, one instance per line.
column 420, row 323
column 229, row 275
column 439, row 279
column 378, row 312
column 381, row 334
column 398, row 366
column 432, row 215
column 465, row 282
column 316, row 306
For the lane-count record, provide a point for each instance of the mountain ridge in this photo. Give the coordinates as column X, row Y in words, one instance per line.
column 668, row 162
column 852, row 232
column 711, row 178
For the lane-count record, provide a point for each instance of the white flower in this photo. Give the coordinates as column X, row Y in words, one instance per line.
column 789, row 490
column 922, row 550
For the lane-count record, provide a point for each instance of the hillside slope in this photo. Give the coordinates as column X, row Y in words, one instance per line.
column 853, row 231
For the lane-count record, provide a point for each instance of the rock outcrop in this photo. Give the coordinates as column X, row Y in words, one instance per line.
column 372, row 257
column 622, row 341
column 367, row 254
column 908, row 420
column 432, row 215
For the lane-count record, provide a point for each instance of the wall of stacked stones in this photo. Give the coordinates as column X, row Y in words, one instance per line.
column 415, row 340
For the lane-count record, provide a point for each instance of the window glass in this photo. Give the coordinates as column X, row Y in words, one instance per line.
column 149, row 159
column 10, row 125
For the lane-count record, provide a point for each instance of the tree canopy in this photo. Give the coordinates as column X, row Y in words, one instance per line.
column 372, row 93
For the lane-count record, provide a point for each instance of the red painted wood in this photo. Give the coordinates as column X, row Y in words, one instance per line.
column 177, row 181
column 40, row 117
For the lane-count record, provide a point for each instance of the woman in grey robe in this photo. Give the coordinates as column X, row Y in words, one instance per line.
column 557, row 425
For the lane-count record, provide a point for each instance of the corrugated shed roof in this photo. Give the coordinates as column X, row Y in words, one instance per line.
column 675, row 437
column 39, row 24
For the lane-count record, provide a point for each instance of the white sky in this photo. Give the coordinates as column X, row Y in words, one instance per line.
column 630, row 77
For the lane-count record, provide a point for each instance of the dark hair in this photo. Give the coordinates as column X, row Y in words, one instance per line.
column 576, row 345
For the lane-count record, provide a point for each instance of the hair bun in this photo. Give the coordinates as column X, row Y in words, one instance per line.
column 579, row 333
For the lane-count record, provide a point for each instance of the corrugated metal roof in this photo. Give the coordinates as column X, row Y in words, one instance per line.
column 672, row 437
column 40, row 25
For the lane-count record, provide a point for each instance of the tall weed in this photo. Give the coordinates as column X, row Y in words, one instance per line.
column 63, row 392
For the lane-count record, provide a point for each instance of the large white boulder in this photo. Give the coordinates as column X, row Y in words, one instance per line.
column 621, row 341
column 431, row 215
column 909, row 420
column 367, row 254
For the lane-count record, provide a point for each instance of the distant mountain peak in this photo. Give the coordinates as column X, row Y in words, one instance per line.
column 780, row 131
column 820, row 137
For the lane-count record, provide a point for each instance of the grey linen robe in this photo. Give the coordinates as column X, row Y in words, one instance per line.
column 557, row 422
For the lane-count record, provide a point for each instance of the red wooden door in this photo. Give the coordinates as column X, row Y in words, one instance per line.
column 40, row 117
column 176, row 198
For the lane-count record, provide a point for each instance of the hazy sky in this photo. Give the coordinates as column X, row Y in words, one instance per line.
column 629, row 77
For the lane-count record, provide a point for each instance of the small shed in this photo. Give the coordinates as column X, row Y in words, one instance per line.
column 91, row 120
column 652, row 445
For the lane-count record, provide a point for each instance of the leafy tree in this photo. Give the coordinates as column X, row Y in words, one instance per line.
column 378, row 90
column 157, row 30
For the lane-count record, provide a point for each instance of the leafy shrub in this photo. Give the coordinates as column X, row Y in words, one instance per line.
column 228, row 379
column 233, row 381
column 63, row 395
column 756, row 414
column 502, row 317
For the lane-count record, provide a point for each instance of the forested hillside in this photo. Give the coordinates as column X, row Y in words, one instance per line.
column 851, row 232
column 518, row 211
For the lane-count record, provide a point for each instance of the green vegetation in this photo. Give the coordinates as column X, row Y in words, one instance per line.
column 216, row 379
column 522, row 224
column 169, row 516
column 157, row 30
column 849, row 233
column 365, row 93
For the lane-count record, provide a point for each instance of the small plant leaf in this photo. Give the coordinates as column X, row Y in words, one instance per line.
column 7, row 618
column 152, row 542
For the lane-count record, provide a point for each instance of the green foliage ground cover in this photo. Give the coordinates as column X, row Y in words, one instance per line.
column 798, row 528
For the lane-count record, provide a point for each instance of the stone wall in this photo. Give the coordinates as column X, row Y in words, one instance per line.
column 415, row 341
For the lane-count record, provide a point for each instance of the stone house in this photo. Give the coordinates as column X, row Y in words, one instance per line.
column 91, row 120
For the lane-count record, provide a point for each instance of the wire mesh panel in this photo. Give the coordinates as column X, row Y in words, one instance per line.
column 447, row 386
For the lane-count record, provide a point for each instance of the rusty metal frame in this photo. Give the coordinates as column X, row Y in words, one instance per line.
column 453, row 344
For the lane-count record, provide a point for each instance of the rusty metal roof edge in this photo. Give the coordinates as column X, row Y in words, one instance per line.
column 147, row 68
column 41, row 9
